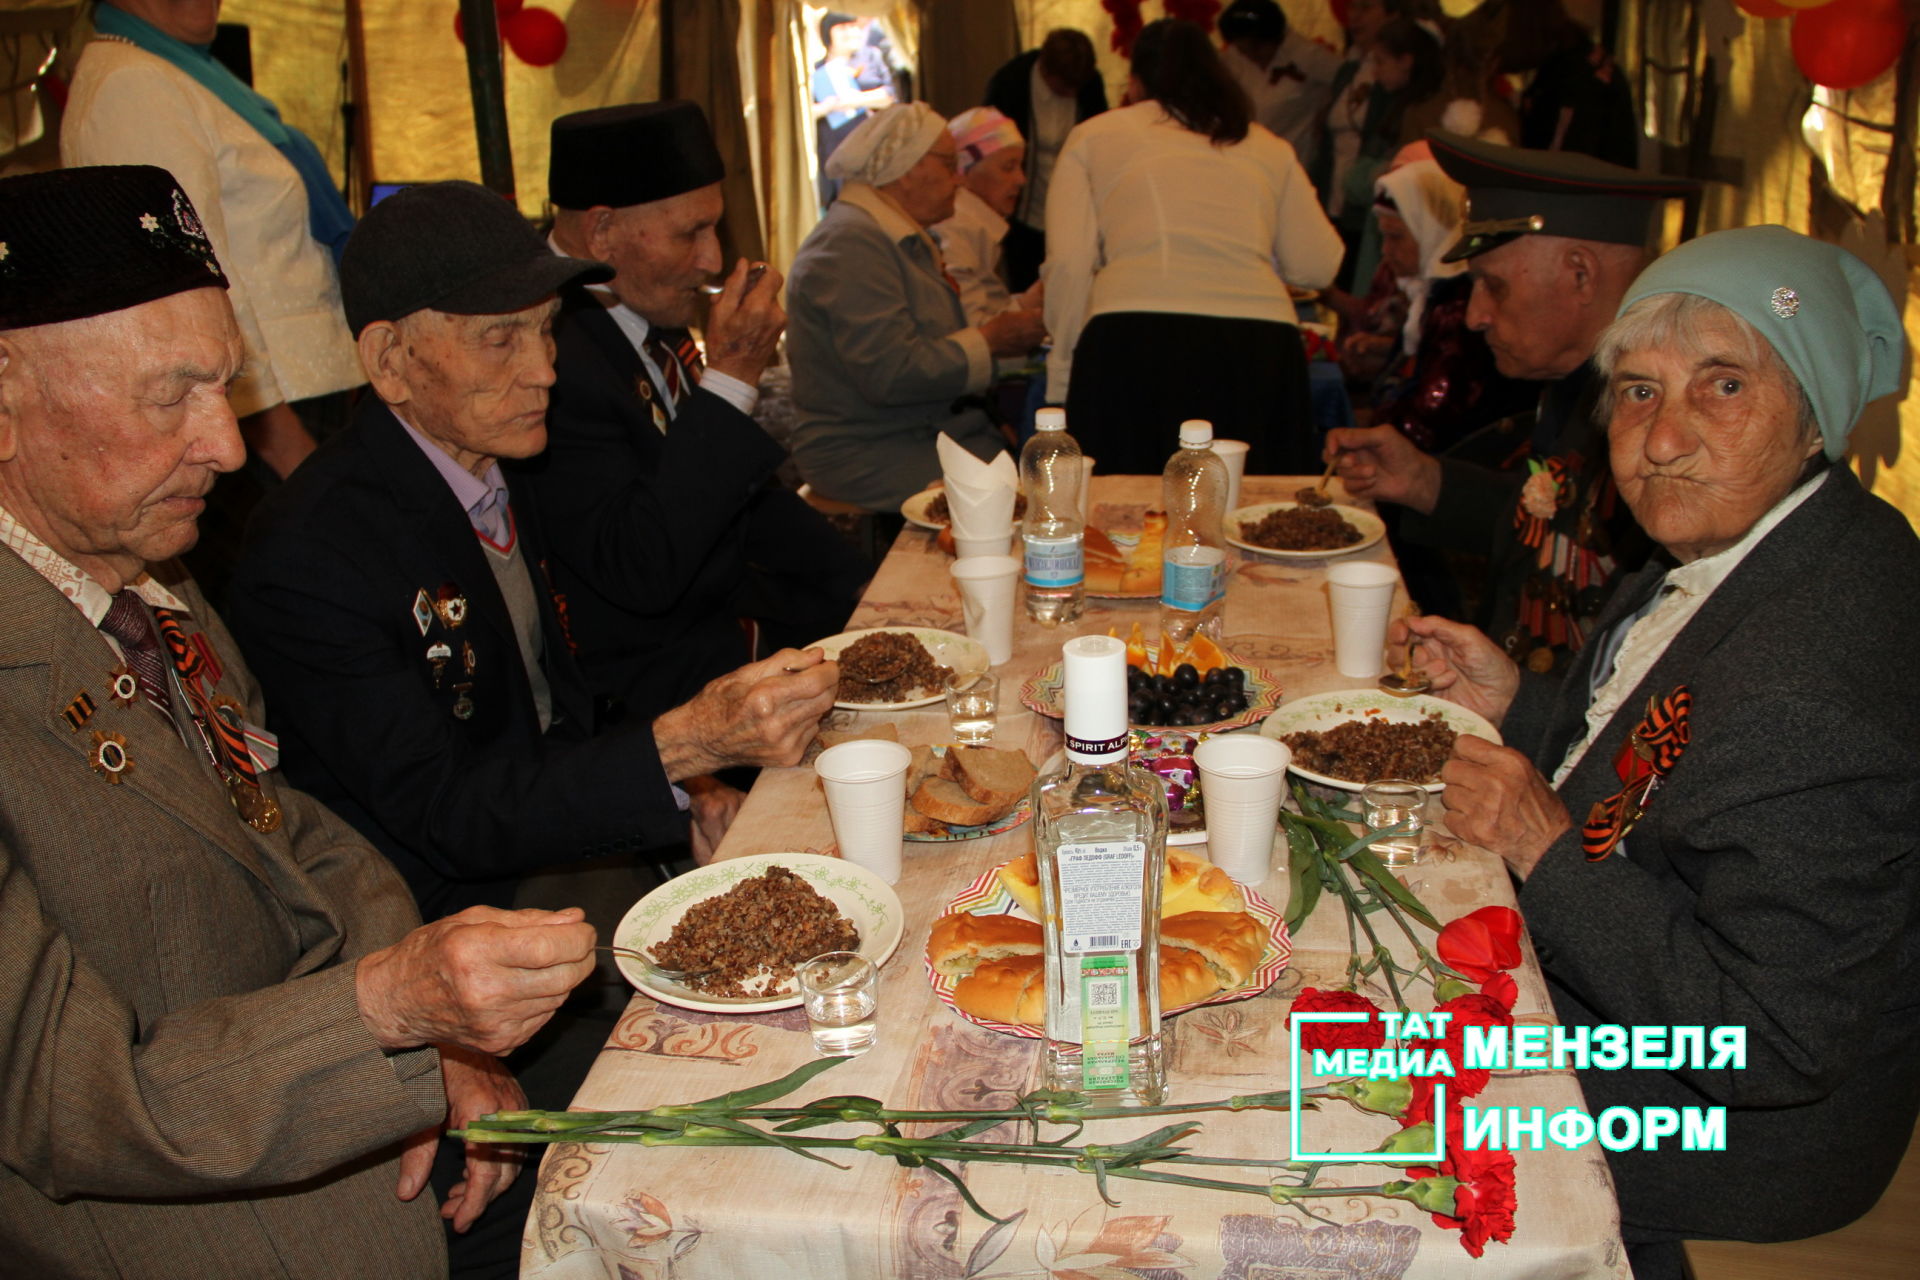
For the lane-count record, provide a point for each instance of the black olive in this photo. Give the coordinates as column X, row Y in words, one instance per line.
column 1186, row 675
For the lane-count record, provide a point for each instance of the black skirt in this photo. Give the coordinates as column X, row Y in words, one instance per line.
column 1137, row 375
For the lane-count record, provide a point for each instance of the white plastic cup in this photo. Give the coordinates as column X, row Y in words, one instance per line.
column 1234, row 454
column 865, row 782
column 988, row 590
column 1086, row 490
column 1242, row 779
column 969, row 548
column 1361, row 595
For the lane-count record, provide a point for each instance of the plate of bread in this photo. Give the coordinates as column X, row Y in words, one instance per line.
column 1126, row 566
column 961, row 792
column 1219, row 942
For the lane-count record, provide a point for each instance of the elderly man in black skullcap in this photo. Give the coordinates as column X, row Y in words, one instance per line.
column 222, row 1014
column 665, row 527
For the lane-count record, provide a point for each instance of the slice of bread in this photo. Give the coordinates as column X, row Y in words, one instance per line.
column 944, row 801
column 959, row 943
column 992, row 776
column 1231, row 942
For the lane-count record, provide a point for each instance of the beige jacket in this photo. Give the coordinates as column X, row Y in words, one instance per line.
column 186, row 1088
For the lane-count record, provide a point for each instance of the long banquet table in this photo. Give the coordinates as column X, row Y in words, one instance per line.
column 617, row 1211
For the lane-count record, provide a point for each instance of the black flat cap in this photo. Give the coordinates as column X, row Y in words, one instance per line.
column 1514, row 191
column 454, row 247
column 635, row 154
column 82, row 242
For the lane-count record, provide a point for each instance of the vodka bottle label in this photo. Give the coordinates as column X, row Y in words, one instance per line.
column 1100, row 895
column 1106, row 1020
column 1054, row 562
column 1193, row 577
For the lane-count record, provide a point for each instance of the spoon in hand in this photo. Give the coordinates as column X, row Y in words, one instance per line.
column 654, row 969
column 1406, row 682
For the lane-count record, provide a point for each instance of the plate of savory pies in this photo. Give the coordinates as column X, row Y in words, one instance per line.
column 1126, row 566
column 1219, row 942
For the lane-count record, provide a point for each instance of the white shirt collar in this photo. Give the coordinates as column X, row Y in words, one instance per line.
column 78, row 586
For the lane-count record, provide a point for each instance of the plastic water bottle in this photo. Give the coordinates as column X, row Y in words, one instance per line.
column 1193, row 577
column 1052, row 534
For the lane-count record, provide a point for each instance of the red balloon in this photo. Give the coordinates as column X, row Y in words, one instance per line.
column 1763, row 8
column 536, row 36
column 1843, row 46
column 502, row 10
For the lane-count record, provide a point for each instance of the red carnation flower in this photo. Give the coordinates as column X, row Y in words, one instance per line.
column 1481, row 943
column 1330, row 1037
column 1502, row 988
column 1473, row 1010
column 1484, row 1199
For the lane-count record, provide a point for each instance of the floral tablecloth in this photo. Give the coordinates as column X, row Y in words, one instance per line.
column 618, row 1211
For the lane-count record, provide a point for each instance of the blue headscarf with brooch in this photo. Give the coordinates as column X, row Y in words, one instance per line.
column 1823, row 310
column 328, row 218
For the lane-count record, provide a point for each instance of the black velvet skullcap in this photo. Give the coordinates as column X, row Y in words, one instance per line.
column 633, row 154
column 83, row 242
column 454, row 247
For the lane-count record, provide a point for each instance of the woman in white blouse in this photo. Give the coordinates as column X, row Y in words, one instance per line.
column 1174, row 226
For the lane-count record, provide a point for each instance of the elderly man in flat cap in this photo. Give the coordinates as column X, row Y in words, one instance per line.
column 397, row 602
column 884, row 359
column 1553, row 240
column 221, row 1011
column 665, row 528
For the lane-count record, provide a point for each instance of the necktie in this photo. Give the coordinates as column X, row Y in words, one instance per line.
column 128, row 622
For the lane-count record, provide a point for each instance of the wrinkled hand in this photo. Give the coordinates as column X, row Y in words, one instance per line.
column 1498, row 800
column 1463, row 664
column 744, row 324
column 764, row 714
column 1014, row 333
column 1382, row 464
column 476, row 1085
column 1034, row 298
column 713, row 807
column 486, row 979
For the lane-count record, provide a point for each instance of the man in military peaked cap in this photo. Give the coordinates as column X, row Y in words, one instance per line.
column 1553, row 240
column 227, row 1034
column 666, row 527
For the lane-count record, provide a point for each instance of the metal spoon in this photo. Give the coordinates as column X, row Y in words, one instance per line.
column 754, row 273
column 655, row 969
column 1406, row 682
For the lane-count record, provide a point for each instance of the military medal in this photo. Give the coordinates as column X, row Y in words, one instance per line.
column 466, row 656
column 258, row 809
column 109, row 756
column 438, row 654
column 79, row 711
column 463, row 705
column 123, row 686
column 422, row 611
column 451, row 606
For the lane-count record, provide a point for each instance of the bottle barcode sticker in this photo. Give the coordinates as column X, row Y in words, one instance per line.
column 1106, row 984
column 1055, row 562
column 1100, row 891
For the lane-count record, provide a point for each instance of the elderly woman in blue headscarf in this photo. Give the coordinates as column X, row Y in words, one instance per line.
column 1715, row 816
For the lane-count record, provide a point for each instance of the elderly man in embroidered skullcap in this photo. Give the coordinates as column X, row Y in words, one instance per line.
column 991, row 156
column 884, row 357
column 222, row 1014
column 1716, row 814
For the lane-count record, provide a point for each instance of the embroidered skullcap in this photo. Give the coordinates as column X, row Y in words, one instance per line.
column 887, row 144
column 631, row 154
column 981, row 131
column 83, row 242
column 1823, row 310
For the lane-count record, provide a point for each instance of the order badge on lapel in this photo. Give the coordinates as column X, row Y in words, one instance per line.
column 109, row 756
column 422, row 610
column 451, row 606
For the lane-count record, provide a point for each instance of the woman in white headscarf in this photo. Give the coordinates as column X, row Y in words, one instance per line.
column 883, row 358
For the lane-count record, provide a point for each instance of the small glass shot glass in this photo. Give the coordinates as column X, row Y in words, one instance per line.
column 973, row 705
column 840, row 991
column 1394, row 803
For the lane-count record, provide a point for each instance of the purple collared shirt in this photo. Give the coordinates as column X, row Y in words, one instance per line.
column 484, row 499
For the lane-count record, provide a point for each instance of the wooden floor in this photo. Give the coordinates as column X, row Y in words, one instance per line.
column 1884, row 1245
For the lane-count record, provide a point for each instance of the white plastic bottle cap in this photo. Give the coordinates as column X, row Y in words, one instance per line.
column 1196, row 431
column 1050, row 420
column 1095, row 676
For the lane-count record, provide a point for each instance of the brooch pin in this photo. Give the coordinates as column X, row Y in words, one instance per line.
column 422, row 611
column 79, row 711
column 437, row 654
column 123, row 686
column 451, row 606
column 467, row 658
column 109, row 757
column 1785, row 303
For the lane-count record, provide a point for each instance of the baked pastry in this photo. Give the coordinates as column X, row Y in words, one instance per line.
column 1010, row 990
column 1021, row 878
column 1136, row 571
column 1185, row 977
column 960, row 943
column 1230, row 942
column 1192, row 884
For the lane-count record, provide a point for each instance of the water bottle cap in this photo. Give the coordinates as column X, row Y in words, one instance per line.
column 1050, row 420
column 1196, row 431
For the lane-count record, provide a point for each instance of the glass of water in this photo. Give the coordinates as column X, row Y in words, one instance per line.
column 1393, row 803
column 840, row 991
column 973, row 705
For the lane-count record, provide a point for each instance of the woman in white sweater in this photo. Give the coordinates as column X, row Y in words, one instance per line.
column 1174, row 226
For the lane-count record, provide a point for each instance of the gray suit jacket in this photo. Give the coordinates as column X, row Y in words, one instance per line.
column 1774, row 882
column 186, row 1088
